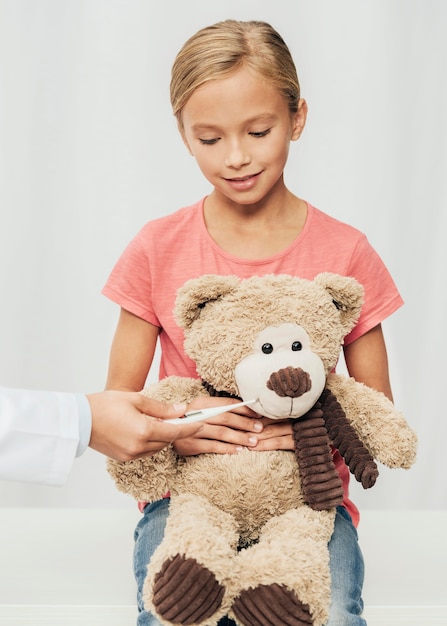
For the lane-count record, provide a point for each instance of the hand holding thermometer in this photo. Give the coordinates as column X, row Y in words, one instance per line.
column 203, row 414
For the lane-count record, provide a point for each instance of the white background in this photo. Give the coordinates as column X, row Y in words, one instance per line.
column 89, row 152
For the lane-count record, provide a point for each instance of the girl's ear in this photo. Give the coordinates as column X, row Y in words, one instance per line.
column 299, row 119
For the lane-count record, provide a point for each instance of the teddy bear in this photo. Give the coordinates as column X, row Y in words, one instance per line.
column 247, row 534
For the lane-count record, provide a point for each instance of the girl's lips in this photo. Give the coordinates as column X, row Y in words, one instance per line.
column 244, row 182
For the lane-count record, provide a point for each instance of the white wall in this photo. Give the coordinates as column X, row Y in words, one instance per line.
column 89, row 152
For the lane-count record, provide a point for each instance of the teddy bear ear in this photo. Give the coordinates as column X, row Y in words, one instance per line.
column 347, row 295
column 196, row 293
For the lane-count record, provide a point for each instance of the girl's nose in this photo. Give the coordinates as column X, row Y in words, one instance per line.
column 237, row 156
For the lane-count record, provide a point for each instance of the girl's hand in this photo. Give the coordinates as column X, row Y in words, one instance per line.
column 275, row 435
column 227, row 433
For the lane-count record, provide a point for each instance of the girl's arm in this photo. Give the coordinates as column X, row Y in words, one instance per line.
column 132, row 353
column 367, row 361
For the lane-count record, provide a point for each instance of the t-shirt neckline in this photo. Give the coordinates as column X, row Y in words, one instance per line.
column 264, row 261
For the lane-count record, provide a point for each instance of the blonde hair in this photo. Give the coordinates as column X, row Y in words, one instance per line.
column 216, row 51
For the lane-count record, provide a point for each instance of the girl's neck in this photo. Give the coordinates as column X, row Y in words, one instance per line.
column 258, row 231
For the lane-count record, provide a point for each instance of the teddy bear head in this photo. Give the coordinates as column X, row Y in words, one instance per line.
column 271, row 338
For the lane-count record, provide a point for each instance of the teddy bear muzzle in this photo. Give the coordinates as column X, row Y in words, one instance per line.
column 290, row 382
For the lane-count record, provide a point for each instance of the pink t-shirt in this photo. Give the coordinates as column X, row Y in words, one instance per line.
column 170, row 250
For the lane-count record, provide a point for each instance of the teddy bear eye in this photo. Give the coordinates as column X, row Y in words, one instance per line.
column 297, row 346
column 267, row 348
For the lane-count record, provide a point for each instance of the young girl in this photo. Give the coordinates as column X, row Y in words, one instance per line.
column 236, row 97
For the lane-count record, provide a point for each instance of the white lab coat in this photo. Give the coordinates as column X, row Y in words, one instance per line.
column 39, row 435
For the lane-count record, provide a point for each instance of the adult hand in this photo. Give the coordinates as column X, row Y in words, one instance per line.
column 128, row 425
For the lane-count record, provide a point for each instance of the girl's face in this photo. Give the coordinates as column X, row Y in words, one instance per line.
column 239, row 130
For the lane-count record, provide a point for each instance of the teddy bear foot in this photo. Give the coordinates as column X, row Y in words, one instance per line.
column 186, row 592
column 271, row 605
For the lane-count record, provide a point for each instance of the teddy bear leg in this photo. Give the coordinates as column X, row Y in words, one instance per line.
column 187, row 576
column 285, row 578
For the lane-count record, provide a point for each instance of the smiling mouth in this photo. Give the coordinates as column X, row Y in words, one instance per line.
column 242, row 179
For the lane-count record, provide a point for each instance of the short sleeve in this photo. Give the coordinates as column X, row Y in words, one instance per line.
column 382, row 297
column 129, row 284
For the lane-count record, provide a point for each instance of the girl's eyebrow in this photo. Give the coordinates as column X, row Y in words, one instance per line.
column 202, row 127
column 263, row 117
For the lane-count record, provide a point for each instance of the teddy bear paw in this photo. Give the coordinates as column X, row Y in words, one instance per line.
column 271, row 605
column 186, row 592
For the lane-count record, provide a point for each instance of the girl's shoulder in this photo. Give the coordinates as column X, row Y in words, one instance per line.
column 185, row 216
column 324, row 230
column 321, row 220
column 176, row 231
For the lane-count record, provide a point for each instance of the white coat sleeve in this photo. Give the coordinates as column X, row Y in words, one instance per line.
column 40, row 434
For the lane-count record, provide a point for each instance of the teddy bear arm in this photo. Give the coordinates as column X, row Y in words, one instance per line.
column 146, row 479
column 382, row 428
column 347, row 441
column 149, row 478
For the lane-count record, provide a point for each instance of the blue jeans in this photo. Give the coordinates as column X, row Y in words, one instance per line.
column 346, row 563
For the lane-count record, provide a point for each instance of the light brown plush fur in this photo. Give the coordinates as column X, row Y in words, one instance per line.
column 254, row 500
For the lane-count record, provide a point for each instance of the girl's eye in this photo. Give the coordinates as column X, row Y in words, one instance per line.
column 209, row 142
column 262, row 133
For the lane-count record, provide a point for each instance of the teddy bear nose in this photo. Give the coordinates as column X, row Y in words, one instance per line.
column 291, row 382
